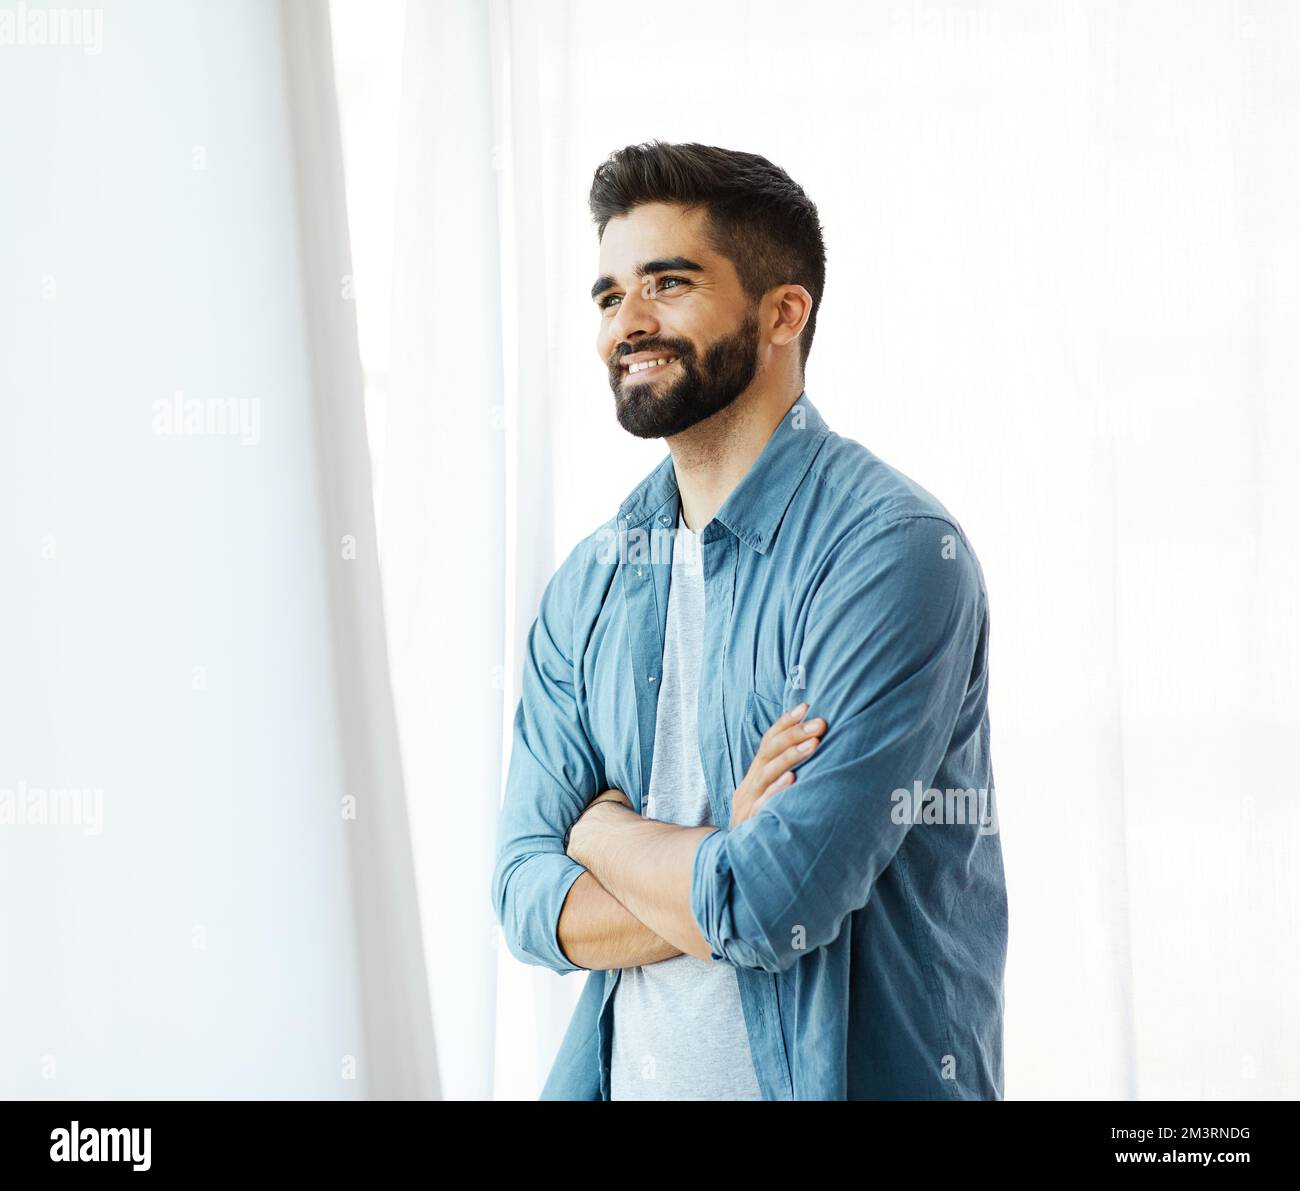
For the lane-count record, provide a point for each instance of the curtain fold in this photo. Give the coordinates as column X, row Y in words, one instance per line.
column 531, row 412
column 444, row 545
column 399, row 1061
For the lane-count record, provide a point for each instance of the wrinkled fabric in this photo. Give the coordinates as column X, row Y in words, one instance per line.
column 864, row 907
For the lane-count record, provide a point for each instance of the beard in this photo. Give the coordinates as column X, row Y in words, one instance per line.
column 660, row 409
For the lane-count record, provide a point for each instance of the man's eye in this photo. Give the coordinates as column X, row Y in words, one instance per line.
column 649, row 289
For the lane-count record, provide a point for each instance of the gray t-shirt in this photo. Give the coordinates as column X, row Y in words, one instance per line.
column 679, row 1030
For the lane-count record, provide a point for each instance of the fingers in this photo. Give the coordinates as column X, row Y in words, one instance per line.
column 788, row 742
column 789, row 729
column 788, row 758
column 781, row 783
column 767, row 746
column 784, row 745
column 793, row 716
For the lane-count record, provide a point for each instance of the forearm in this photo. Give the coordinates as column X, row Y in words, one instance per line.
column 597, row 931
column 646, row 866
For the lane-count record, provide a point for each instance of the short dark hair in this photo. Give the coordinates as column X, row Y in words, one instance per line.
column 759, row 218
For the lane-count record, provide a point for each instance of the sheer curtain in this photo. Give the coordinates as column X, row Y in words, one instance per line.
column 1062, row 295
column 444, row 548
column 186, row 635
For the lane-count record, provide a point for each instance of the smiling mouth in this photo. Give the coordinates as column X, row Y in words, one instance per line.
column 647, row 368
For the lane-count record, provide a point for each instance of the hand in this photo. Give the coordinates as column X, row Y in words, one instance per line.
column 784, row 745
column 610, row 796
column 605, row 796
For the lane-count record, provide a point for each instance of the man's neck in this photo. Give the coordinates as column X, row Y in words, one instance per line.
column 714, row 455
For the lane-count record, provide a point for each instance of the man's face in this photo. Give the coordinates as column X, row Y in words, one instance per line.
column 664, row 295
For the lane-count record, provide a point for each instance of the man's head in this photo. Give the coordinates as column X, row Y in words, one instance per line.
column 710, row 259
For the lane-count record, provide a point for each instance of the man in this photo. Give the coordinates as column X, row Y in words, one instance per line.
column 750, row 788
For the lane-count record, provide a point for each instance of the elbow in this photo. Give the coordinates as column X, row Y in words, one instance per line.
column 741, row 922
column 528, row 895
column 506, row 898
column 515, row 945
column 502, row 902
column 753, row 949
column 741, row 931
column 745, row 940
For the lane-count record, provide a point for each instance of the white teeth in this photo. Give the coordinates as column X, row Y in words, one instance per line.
column 641, row 367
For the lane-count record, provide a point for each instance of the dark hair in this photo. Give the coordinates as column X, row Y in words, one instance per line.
column 759, row 218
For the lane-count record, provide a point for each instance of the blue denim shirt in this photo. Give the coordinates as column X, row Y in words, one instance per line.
column 863, row 907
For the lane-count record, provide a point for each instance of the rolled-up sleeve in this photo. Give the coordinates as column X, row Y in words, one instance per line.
column 889, row 646
column 554, row 773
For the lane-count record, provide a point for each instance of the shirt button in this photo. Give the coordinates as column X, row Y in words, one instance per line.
column 650, row 678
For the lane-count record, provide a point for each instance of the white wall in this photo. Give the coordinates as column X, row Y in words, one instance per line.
column 1063, row 293
column 132, row 559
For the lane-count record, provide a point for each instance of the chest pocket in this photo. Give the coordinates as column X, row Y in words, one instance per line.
column 759, row 714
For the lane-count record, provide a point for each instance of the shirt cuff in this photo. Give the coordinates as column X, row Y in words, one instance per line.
column 539, row 903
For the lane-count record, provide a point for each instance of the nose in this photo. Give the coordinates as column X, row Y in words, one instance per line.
column 634, row 319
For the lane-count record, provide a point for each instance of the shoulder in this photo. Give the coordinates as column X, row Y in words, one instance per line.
column 577, row 590
column 580, row 586
column 867, row 488
column 886, row 525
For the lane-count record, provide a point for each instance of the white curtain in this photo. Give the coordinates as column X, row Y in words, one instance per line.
column 1063, row 294
column 444, row 546
column 190, row 614
column 400, row 1057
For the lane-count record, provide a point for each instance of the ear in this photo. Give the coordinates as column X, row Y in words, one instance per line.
column 791, row 307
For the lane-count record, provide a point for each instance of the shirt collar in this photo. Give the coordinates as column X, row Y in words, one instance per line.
column 756, row 505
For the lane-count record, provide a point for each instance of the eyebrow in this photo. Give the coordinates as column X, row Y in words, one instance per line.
column 675, row 264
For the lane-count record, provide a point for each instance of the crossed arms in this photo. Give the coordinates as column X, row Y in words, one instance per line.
column 597, row 931
column 633, row 905
column 889, row 648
